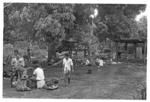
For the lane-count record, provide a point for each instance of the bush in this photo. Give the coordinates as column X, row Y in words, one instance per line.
column 39, row 53
column 7, row 50
column 36, row 52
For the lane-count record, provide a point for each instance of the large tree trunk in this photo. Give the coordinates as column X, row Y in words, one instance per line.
column 51, row 52
column 90, row 45
column 116, row 44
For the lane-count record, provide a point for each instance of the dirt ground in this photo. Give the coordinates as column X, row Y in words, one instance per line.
column 118, row 81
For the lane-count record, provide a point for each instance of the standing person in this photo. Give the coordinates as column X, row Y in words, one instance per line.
column 17, row 64
column 39, row 76
column 67, row 68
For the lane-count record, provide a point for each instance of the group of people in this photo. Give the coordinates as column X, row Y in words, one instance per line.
column 18, row 69
column 98, row 61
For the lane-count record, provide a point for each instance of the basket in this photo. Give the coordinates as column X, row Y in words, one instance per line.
column 52, row 84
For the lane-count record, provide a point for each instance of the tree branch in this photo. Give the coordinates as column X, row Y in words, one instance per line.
column 9, row 4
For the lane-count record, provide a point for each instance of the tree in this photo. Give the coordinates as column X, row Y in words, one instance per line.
column 142, row 27
column 52, row 23
column 47, row 23
column 50, row 30
column 142, row 33
column 119, row 19
column 57, row 25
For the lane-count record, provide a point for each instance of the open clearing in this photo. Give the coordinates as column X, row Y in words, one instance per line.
column 112, row 82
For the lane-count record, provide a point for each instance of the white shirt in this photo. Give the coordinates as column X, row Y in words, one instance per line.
column 100, row 61
column 87, row 62
column 67, row 64
column 39, row 74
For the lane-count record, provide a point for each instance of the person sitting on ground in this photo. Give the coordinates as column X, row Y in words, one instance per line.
column 39, row 76
column 87, row 62
column 17, row 64
column 67, row 68
column 99, row 62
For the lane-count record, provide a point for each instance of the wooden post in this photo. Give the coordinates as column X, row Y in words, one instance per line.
column 29, row 56
column 70, row 52
column 76, row 51
column 126, row 49
column 116, row 43
column 84, row 52
column 135, row 50
column 126, row 44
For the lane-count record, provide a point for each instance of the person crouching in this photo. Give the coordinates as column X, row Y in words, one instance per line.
column 99, row 62
column 38, row 73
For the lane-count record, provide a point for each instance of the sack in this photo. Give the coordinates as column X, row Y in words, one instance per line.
column 52, row 84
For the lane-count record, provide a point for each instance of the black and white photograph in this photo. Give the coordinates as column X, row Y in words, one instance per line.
column 74, row 51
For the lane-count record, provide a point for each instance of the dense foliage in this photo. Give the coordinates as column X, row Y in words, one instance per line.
column 52, row 23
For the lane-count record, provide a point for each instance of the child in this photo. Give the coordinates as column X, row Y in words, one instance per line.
column 67, row 68
column 87, row 62
column 39, row 76
column 100, row 62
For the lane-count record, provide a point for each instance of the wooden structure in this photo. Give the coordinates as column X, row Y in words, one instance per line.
column 73, row 45
column 135, row 42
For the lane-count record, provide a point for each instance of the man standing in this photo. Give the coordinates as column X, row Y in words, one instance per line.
column 67, row 68
column 17, row 64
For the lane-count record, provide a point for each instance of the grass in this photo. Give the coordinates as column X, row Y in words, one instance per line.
column 112, row 82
